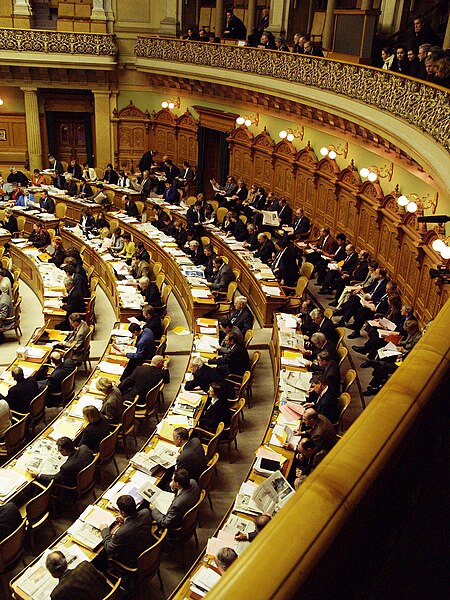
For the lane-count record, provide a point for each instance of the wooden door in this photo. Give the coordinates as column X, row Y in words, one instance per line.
column 211, row 150
column 70, row 136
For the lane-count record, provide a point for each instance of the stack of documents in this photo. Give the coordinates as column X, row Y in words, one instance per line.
column 203, row 580
column 10, row 483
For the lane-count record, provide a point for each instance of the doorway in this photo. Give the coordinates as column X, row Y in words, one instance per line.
column 213, row 158
column 70, row 136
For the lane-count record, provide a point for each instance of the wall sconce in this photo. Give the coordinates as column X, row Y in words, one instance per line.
column 331, row 151
column 1, row 101
column 171, row 104
column 372, row 173
column 292, row 134
column 413, row 202
column 441, row 245
column 247, row 121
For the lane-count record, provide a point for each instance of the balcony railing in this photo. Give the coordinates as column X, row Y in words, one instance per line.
column 420, row 104
column 56, row 42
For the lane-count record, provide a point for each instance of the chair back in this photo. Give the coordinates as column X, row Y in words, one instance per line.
column 306, row 270
column 16, row 273
column 214, row 204
column 61, row 210
column 221, row 212
column 11, row 548
column 107, row 447
column 237, row 275
column 37, row 406
column 2, row 248
column 254, row 361
column 300, row 288
column 248, row 337
column 150, row 559
column 87, row 343
column 341, row 333
column 232, row 286
column 161, row 348
column 113, row 225
column 113, row 594
column 15, row 435
column 164, row 298
column 205, row 240
column 68, row 387
column 140, row 206
column 20, row 223
column 86, row 478
column 151, row 400
column 190, row 520
column 15, row 292
column 37, row 509
column 166, row 324
column 127, row 425
column 205, row 478
column 90, row 309
column 51, row 232
column 159, row 280
column 243, row 386
column 343, row 403
column 349, row 379
column 341, row 354
column 157, row 268
column 328, row 313
column 89, row 273
column 212, row 444
column 234, row 424
column 190, row 200
column 243, row 218
column 93, row 284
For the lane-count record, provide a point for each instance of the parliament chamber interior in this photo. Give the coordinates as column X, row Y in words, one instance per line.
column 224, row 299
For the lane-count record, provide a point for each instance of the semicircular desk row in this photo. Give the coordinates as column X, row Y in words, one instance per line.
column 61, row 424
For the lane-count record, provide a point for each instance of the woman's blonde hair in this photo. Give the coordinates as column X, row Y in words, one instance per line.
column 104, row 385
column 91, row 414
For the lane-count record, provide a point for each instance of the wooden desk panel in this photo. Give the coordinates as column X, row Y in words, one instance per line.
column 31, row 220
column 74, row 208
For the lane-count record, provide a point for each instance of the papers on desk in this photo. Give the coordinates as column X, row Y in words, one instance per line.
column 270, row 217
column 299, row 361
column 283, row 434
column 37, row 582
column 389, row 350
column 127, row 348
column 10, row 483
column 129, row 489
column 203, row 293
column 290, row 411
column 208, row 330
column 65, row 427
column 85, row 400
column 52, row 294
column 96, row 516
column 161, row 500
column 42, row 457
column 110, row 368
column 124, row 332
column 268, row 461
column 162, row 455
column 27, row 371
column 203, row 580
column 294, row 380
column 207, row 343
column 237, row 524
column 244, row 502
column 86, row 535
column 271, row 290
column 272, row 494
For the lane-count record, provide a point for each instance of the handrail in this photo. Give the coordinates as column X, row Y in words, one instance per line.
column 38, row 40
column 421, row 104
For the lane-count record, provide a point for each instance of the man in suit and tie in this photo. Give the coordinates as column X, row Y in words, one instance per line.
column 196, row 254
column 140, row 268
column 195, row 216
column 325, row 244
column 21, row 394
column 265, row 249
column 327, row 367
column 223, row 274
column 75, row 339
column 236, row 361
column 335, row 257
column 130, row 534
column 61, row 369
column 324, row 325
column 192, row 455
column 284, row 265
column 241, row 317
column 171, row 194
column 284, row 212
column 72, row 303
column 301, row 224
column 58, row 178
column 84, row 582
column 46, row 203
column 204, row 376
column 343, row 271
column 323, row 399
column 187, row 173
column 144, row 378
column 187, row 494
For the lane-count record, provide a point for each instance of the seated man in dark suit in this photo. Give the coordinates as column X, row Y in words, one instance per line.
column 317, row 344
column 210, row 255
column 223, row 274
column 171, row 195
column 78, row 459
column 145, row 349
column 61, row 369
column 84, row 582
column 150, row 292
column 130, row 535
column 195, row 216
column 152, row 321
column 323, row 399
column 346, row 265
column 242, row 316
column 324, row 325
column 301, row 224
column 284, row 264
column 144, row 378
column 236, row 361
column 319, row 429
column 72, row 303
column 187, row 495
column 265, row 249
column 20, row 395
column 204, row 376
column 10, row 519
column 192, row 455
column 196, row 254
column 329, row 369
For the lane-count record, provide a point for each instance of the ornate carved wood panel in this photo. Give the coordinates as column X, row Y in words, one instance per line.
column 131, row 127
column 263, row 160
column 187, row 147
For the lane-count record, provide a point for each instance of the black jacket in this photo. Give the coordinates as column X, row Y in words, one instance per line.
column 143, row 379
column 68, row 472
column 94, row 433
column 192, row 458
column 20, row 395
column 243, row 319
column 55, row 379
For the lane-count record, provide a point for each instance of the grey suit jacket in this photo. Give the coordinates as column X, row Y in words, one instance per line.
column 222, row 278
column 131, row 539
column 76, row 337
column 192, row 458
column 183, row 501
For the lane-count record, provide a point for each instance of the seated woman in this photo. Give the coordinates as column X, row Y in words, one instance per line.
column 10, row 221
column 60, row 254
column 130, row 207
column 112, row 407
column 71, row 185
column 96, row 429
column 128, row 249
column 117, row 240
column 102, row 225
column 39, row 237
column 85, row 189
column 87, row 221
column 37, row 178
column 217, row 409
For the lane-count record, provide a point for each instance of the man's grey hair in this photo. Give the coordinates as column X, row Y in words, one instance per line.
column 56, row 563
column 241, row 300
column 318, row 337
column 197, row 362
column 316, row 312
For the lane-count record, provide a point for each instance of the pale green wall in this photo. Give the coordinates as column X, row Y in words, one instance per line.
column 13, row 101
column 407, row 182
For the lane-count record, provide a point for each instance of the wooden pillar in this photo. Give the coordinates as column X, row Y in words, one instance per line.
column 103, row 141
column 34, row 141
column 218, row 28
column 251, row 16
column 328, row 29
